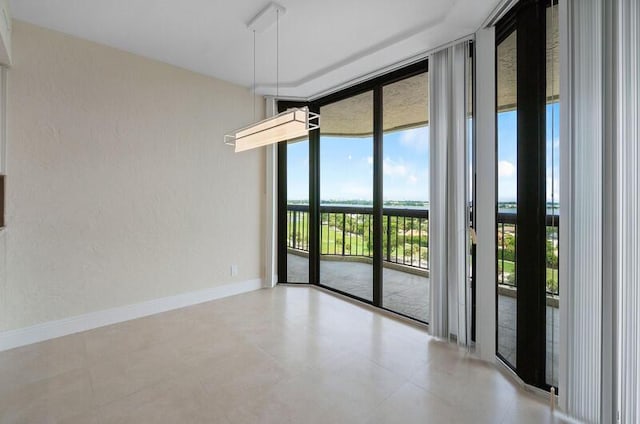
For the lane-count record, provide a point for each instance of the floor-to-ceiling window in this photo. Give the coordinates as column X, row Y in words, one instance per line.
column 507, row 152
column 553, row 192
column 471, row 199
column 527, row 93
column 297, row 153
column 405, row 169
column 346, row 196
column 362, row 226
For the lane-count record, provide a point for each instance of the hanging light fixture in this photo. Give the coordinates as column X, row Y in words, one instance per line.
column 292, row 123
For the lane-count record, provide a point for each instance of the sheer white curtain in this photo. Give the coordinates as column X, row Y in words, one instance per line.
column 581, row 179
column 600, row 180
column 627, row 247
column 448, row 209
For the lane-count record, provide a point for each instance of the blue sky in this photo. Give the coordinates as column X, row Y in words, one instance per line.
column 507, row 153
column 346, row 164
column 346, row 167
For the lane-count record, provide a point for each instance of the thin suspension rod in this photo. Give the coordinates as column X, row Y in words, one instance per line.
column 277, row 53
column 254, row 74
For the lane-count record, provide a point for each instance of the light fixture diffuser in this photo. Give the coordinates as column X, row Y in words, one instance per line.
column 290, row 124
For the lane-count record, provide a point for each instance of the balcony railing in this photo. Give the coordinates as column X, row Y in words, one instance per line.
column 348, row 231
column 507, row 247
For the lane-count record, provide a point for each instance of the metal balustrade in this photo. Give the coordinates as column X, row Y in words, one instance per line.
column 506, row 226
column 348, row 231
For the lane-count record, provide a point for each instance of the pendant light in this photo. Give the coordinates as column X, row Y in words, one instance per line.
column 290, row 124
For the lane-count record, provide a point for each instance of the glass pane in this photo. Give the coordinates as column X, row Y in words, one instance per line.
column 507, row 197
column 298, row 211
column 553, row 198
column 346, row 196
column 470, row 196
column 406, row 197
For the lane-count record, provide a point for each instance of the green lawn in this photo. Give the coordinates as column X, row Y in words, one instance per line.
column 552, row 274
column 354, row 243
column 361, row 245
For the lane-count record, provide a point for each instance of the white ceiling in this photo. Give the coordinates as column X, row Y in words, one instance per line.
column 323, row 43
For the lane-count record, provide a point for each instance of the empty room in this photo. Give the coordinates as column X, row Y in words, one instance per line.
column 356, row 211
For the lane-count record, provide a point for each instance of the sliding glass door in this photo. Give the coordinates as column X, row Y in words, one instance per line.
column 346, row 196
column 405, row 173
column 527, row 286
column 552, row 113
column 362, row 226
column 297, row 153
column 507, row 154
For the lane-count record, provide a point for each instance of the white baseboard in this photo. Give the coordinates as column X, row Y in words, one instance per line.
column 52, row 329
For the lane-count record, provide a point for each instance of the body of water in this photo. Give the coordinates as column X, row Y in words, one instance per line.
column 398, row 205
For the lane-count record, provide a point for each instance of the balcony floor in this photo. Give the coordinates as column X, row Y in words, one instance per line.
column 409, row 295
column 403, row 292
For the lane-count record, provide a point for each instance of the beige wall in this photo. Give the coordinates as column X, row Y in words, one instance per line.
column 120, row 189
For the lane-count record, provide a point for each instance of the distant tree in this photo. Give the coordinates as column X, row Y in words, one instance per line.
column 552, row 257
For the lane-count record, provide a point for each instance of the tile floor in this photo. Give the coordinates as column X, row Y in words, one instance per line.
column 286, row 355
column 409, row 294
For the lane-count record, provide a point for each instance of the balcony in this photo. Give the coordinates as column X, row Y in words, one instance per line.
column 347, row 255
column 347, row 231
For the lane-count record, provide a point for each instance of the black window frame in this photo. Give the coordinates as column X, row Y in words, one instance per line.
column 375, row 85
column 528, row 17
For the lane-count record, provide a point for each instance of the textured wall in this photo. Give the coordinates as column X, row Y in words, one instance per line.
column 119, row 187
column 3, row 272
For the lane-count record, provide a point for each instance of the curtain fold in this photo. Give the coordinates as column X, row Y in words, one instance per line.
column 600, row 180
column 448, row 209
column 581, row 232
column 439, row 95
column 627, row 249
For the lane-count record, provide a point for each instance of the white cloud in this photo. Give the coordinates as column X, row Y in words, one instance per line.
column 412, row 179
column 506, row 169
column 416, row 138
column 393, row 168
column 349, row 157
column 370, row 160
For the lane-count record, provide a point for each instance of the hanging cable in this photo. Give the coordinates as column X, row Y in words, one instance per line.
column 254, row 74
column 277, row 53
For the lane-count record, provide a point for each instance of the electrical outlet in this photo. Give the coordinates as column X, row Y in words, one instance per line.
column 234, row 270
